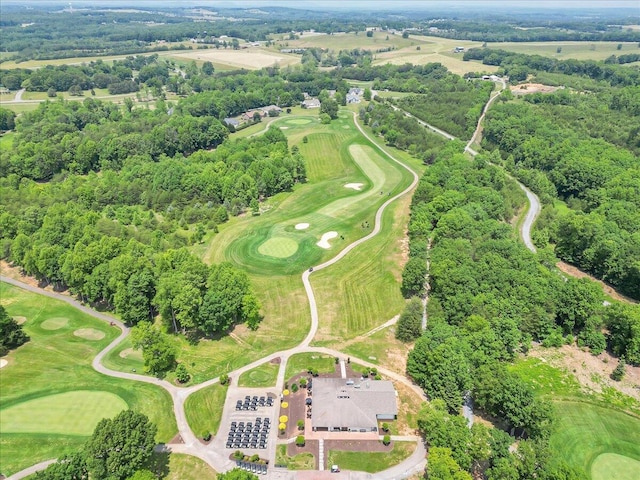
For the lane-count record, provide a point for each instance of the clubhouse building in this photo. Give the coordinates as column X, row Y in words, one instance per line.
column 341, row 405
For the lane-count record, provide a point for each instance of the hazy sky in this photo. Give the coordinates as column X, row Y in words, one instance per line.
column 365, row 4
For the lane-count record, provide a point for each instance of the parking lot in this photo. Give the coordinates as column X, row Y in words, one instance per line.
column 248, row 424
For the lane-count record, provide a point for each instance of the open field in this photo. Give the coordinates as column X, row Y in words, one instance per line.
column 204, row 409
column 51, row 397
column 371, row 462
column 249, row 58
column 263, row 376
column 577, row 50
column 585, row 432
column 347, row 41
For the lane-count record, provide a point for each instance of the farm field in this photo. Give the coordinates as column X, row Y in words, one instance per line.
column 50, row 395
column 348, row 41
column 249, row 58
column 577, row 50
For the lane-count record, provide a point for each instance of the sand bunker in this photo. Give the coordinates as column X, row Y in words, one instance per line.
column 302, row 226
column 54, row 323
column 3, row 363
column 20, row 320
column 355, row 186
column 89, row 334
column 324, row 241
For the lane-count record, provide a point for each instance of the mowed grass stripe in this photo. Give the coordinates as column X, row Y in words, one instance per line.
column 585, row 431
column 71, row 413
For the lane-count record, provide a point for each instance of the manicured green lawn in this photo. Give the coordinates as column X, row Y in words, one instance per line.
column 49, row 377
column 264, row 375
column 300, row 362
column 625, row 468
column 188, row 467
column 586, row 431
column 371, row 462
column 301, row 461
column 204, row 409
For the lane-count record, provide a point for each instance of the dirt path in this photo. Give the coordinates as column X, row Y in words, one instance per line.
column 608, row 289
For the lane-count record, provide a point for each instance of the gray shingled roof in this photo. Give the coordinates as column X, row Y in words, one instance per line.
column 336, row 404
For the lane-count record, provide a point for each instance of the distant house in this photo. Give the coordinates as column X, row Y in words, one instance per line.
column 352, row 405
column 272, row 110
column 310, row 103
column 458, row 50
column 354, row 95
column 232, row 121
column 249, row 114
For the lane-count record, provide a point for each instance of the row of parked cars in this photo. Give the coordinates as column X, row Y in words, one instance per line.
column 252, row 403
column 249, row 435
column 257, row 468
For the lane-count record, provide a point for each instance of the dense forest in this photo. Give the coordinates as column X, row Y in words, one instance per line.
column 582, row 148
column 489, row 297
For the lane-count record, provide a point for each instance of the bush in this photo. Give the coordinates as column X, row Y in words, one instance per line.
column 385, row 427
column 206, row 436
column 300, row 441
column 300, row 424
column 254, row 458
column 303, row 382
column 294, row 387
column 619, row 371
column 238, row 455
column 224, row 379
column 182, row 375
column 386, row 440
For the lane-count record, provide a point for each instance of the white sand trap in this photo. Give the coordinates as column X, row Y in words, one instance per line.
column 3, row 363
column 284, row 128
column 302, row 226
column 20, row 320
column 355, row 186
column 324, row 241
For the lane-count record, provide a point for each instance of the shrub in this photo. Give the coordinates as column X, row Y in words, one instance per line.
column 206, row 436
column 182, row 375
column 300, row 441
column 303, row 382
column 619, row 371
column 385, row 427
column 224, row 379
column 386, row 440
column 294, row 387
column 254, row 458
column 238, row 455
column 300, row 424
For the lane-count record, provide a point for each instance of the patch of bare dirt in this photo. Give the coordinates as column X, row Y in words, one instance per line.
column 608, row 289
column 592, row 371
column 526, row 88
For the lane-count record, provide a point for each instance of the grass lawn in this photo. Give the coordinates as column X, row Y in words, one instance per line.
column 188, row 467
column 371, row 462
column 301, row 461
column 300, row 362
column 545, row 379
column 204, row 409
column 264, row 375
column 50, row 395
column 585, row 432
column 342, row 41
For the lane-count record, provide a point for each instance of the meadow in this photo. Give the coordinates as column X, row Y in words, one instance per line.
column 576, row 50
column 50, row 396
